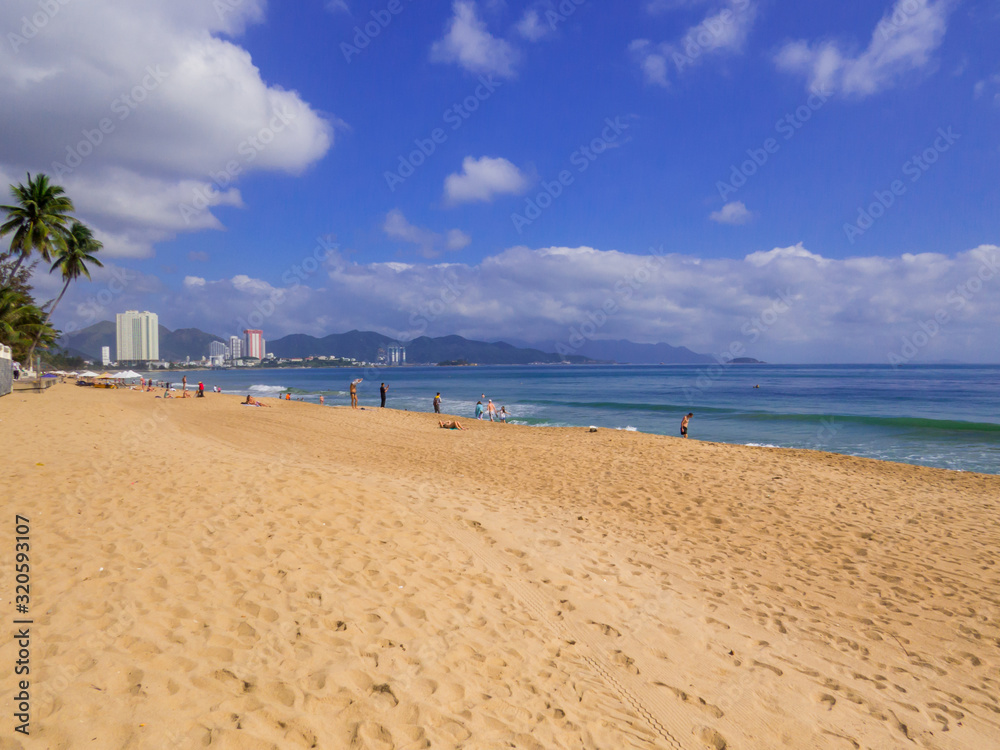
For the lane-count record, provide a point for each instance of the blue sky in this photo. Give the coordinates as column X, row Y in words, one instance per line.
column 843, row 156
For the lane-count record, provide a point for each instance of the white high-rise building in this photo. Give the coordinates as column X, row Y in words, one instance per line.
column 105, row 355
column 235, row 348
column 396, row 355
column 217, row 349
column 138, row 336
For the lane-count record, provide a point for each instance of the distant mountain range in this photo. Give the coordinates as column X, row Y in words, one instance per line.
column 643, row 354
column 364, row 345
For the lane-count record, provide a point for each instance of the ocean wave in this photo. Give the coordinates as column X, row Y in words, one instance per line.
column 629, row 428
column 268, row 388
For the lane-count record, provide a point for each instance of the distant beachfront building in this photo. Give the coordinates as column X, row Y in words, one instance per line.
column 105, row 355
column 396, row 355
column 138, row 337
column 235, row 348
column 253, row 344
column 217, row 349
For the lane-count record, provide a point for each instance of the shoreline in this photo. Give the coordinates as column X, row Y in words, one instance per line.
column 338, row 576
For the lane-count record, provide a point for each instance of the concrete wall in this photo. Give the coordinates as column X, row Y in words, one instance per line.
column 6, row 370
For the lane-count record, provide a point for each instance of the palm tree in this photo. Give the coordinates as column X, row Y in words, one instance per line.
column 21, row 322
column 38, row 219
column 72, row 260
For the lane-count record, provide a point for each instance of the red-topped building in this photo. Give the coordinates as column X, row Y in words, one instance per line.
column 253, row 344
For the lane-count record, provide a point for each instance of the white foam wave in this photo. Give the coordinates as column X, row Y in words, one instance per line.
column 267, row 388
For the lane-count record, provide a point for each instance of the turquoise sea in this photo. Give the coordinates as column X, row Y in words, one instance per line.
column 947, row 416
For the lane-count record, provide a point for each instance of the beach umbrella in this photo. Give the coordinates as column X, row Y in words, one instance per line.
column 88, row 374
column 106, row 375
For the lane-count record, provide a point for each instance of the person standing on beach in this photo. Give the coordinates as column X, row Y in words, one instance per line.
column 684, row 425
column 382, row 390
column 503, row 414
column 491, row 410
column 354, row 393
column 437, row 403
column 184, row 383
column 201, row 389
column 479, row 410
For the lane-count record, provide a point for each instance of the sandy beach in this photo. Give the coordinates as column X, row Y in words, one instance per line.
column 208, row 574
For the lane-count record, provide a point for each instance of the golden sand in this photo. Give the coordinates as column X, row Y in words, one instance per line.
column 206, row 574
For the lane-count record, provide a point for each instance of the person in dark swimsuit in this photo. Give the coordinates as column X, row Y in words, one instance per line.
column 382, row 391
column 684, row 425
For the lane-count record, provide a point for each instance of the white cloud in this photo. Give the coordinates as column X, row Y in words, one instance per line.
column 988, row 85
column 137, row 108
column 430, row 244
column 531, row 26
column 194, row 282
column 469, row 44
column 732, row 213
column 851, row 310
column 724, row 31
column 483, row 179
column 903, row 42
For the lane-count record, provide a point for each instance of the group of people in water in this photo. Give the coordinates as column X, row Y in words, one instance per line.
column 490, row 411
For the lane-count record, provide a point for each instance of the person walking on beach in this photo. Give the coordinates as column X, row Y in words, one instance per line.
column 382, row 390
column 184, row 383
column 479, row 410
column 503, row 414
column 437, row 403
column 491, row 410
column 684, row 425
column 354, row 392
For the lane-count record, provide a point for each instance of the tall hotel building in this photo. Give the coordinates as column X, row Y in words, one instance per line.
column 253, row 344
column 138, row 337
column 235, row 348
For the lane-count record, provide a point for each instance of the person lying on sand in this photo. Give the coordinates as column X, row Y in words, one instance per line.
column 251, row 401
column 451, row 424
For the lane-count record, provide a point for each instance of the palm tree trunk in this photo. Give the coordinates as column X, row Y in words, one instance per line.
column 13, row 273
column 48, row 317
